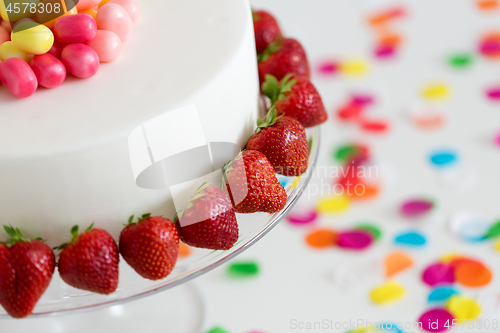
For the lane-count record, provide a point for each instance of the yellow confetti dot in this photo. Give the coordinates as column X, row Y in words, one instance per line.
column 463, row 308
column 333, row 204
column 449, row 257
column 355, row 67
column 294, row 184
column 436, row 91
column 497, row 246
column 389, row 292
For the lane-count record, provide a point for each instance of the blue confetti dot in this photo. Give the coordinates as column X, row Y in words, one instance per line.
column 441, row 294
column 283, row 180
column 391, row 327
column 475, row 231
column 411, row 238
column 443, row 158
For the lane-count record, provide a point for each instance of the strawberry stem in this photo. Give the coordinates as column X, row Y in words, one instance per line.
column 274, row 47
column 15, row 234
column 270, row 119
column 275, row 90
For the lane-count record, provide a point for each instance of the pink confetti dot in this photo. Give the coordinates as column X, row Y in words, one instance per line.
column 415, row 207
column 436, row 320
column 355, row 240
column 384, row 51
column 438, row 273
column 360, row 99
column 493, row 93
column 328, row 68
column 301, row 217
column 497, row 139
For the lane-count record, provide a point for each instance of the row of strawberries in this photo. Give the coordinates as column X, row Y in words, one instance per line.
column 89, row 261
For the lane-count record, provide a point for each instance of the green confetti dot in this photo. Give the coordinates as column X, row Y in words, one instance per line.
column 343, row 153
column 460, row 60
column 248, row 268
column 217, row 329
column 494, row 231
column 374, row 230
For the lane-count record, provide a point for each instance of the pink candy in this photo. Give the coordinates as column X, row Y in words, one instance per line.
column 436, row 320
column 438, row 273
column 415, row 207
column 131, row 6
column 493, row 93
column 18, row 77
column 354, row 240
column 107, row 45
column 56, row 49
column 80, row 60
column 302, row 217
column 114, row 18
column 49, row 70
column 79, row 28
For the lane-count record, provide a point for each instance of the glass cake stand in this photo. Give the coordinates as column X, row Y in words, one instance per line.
column 65, row 309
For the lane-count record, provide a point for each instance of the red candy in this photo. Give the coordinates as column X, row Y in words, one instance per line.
column 56, row 49
column 79, row 28
column 80, row 60
column 18, row 77
column 49, row 70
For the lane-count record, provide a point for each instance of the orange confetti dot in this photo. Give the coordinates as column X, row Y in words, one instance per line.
column 184, row 250
column 397, row 262
column 430, row 122
column 385, row 16
column 487, row 4
column 368, row 192
column 390, row 39
column 471, row 273
column 321, row 238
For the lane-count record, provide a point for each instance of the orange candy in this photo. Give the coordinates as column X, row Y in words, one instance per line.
column 91, row 12
column 385, row 16
column 471, row 273
column 321, row 238
column 397, row 262
column 370, row 191
column 487, row 4
column 48, row 19
column 184, row 250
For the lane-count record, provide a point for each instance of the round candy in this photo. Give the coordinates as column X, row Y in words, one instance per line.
column 32, row 37
column 355, row 240
column 493, row 93
column 443, row 158
column 436, row 320
column 438, row 273
column 131, row 6
column 113, row 17
column 4, row 35
column 80, row 60
column 49, row 18
column 362, row 99
column 91, row 12
column 49, row 70
column 9, row 50
column 397, row 262
column 301, row 216
column 87, row 4
column 436, row 91
column 371, row 228
column 440, row 294
column 460, row 60
column 107, row 45
column 321, row 238
column 463, row 308
column 18, row 77
column 416, row 207
column 244, row 268
column 328, row 67
column 333, row 204
column 79, row 28
column 411, row 238
column 470, row 226
column 493, row 231
column 389, row 292
column 471, row 273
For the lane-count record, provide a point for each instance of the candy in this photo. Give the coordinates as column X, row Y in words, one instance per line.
column 50, row 17
column 346, row 152
column 87, row 4
column 349, row 112
column 497, row 139
column 460, row 60
column 472, row 273
column 411, row 238
column 91, row 12
column 9, row 50
column 436, row 91
column 131, row 6
column 243, row 268
column 493, row 93
column 438, row 273
column 302, row 216
column 416, row 207
column 18, row 77
column 321, row 238
column 384, row 51
column 427, row 117
column 329, row 67
column 469, row 226
column 354, row 240
column 436, row 320
column 4, row 35
column 463, row 308
column 490, row 44
column 493, row 231
column 56, row 49
column 441, row 294
column 6, row 25
column 388, row 292
column 397, row 262
column 107, row 45
column 497, row 246
column 80, row 60
column 32, row 37
column 333, row 204
column 216, row 329
column 372, row 229
column 385, row 16
column 362, row 99
column 443, row 158
column 113, row 17
column 487, row 5
column 79, row 28
column 355, row 67
column 184, row 250
column 374, row 126
column 49, row 70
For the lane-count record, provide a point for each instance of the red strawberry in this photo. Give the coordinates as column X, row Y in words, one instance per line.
column 90, row 261
column 283, row 56
column 296, row 97
column 283, row 141
column 26, row 268
column 252, row 184
column 150, row 246
column 266, row 29
column 208, row 220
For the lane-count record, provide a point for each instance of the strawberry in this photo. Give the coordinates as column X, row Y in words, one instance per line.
column 283, row 56
column 283, row 141
column 150, row 246
column 296, row 97
column 252, row 184
column 266, row 29
column 90, row 261
column 26, row 268
column 208, row 220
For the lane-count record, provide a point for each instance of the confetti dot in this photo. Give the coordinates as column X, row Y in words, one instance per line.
column 490, row 45
column 333, row 204
column 472, row 273
column 362, row 99
column 389, row 292
column 371, row 228
column 438, row 273
column 411, row 238
column 450, row 257
column 384, row 51
column 493, row 93
column 397, row 262
column 355, row 67
column 217, row 329
column 436, row 91
column 243, row 269
column 497, row 139
column 416, row 207
column 184, row 250
column 386, row 15
column 374, row 126
column 443, row 158
column 487, row 5
column 463, row 308
column 321, row 238
column 354, row 240
column 349, row 112
column 435, row 320
column 460, row 60
column 328, row 68
column 497, row 246
column 426, row 117
column 364, row 191
column 345, row 153
column 469, row 226
column 441, row 294
column 301, row 216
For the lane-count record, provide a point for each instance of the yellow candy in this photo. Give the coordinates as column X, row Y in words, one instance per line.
column 9, row 50
column 463, row 308
column 497, row 246
column 436, row 91
column 8, row 9
column 333, row 204
column 32, row 37
column 355, row 67
column 389, row 292
column 449, row 257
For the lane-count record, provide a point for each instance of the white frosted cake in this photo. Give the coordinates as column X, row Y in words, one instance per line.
column 70, row 155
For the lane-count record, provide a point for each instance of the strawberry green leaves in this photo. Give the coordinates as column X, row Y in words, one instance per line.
column 276, row 90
